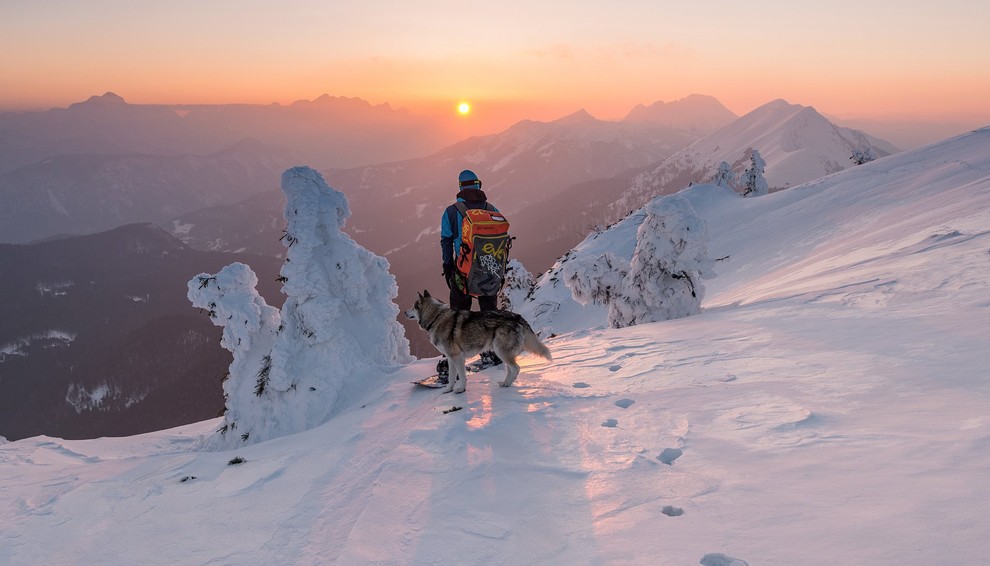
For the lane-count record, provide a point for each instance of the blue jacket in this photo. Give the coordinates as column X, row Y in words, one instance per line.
column 450, row 223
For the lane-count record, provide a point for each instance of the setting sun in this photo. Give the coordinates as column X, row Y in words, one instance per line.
column 463, row 108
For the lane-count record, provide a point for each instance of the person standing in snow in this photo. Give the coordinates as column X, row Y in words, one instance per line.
column 470, row 193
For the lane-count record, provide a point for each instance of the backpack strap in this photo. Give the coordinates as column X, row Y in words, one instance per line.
column 465, row 248
column 463, row 208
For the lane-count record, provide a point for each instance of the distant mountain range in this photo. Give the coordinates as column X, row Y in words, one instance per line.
column 86, row 193
column 103, row 163
column 326, row 132
column 97, row 337
column 527, row 163
column 556, row 181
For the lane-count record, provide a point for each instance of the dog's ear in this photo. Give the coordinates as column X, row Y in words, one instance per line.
column 426, row 294
column 419, row 296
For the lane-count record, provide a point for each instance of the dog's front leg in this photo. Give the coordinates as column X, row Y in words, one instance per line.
column 458, row 381
column 451, row 372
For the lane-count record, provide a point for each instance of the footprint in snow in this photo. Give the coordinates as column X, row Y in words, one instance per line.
column 614, row 368
column 611, row 423
column 581, row 385
column 668, row 455
column 624, row 403
column 671, row 511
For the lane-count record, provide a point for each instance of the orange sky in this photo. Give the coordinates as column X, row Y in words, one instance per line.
column 511, row 59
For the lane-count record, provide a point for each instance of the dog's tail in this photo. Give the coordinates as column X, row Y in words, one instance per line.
column 532, row 344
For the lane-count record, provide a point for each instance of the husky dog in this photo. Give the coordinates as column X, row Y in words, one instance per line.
column 462, row 334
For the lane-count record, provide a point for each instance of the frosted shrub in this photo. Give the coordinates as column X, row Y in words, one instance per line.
column 519, row 284
column 249, row 329
column 595, row 279
column 724, row 177
column 671, row 258
column 663, row 280
column 753, row 181
column 861, row 156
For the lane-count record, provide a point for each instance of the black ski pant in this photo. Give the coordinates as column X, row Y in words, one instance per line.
column 462, row 302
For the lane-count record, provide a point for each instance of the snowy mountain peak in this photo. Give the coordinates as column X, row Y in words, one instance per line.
column 580, row 117
column 797, row 143
column 328, row 103
column 106, row 100
column 697, row 112
column 779, row 105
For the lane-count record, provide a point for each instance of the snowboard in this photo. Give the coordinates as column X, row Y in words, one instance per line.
column 433, row 382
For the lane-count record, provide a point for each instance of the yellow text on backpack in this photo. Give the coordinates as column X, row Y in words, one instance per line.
column 484, row 250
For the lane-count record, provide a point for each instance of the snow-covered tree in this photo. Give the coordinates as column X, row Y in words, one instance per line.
column 595, row 279
column 724, row 177
column 861, row 156
column 753, row 182
column 664, row 279
column 518, row 285
column 671, row 259
column 250, row 326
column 336, row 332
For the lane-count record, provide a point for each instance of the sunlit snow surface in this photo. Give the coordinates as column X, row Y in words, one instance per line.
column 831, row 405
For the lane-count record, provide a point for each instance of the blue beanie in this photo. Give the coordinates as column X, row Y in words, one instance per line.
column 468, row 180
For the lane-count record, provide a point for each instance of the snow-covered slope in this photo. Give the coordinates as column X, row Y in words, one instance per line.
column 798, row 144
column 829, row 406
column 882, row 206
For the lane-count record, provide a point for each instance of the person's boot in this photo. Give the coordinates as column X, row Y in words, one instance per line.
column 489, row 359
column 443, row 371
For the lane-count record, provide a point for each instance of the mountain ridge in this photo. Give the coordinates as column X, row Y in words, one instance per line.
column 696, row 112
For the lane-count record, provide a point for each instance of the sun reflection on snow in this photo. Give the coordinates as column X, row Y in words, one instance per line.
column 533, row 407
column 482, row 415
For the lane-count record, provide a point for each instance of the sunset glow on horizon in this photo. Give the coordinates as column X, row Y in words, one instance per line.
column 541, row 61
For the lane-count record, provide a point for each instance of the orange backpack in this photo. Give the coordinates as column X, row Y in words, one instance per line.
column 485, row 244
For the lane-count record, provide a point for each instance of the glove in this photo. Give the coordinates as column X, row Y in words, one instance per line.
column 448, row 274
